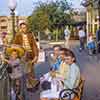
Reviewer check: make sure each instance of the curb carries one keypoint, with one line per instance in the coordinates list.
(52, 43)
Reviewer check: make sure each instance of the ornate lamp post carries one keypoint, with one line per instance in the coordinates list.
(12, 6)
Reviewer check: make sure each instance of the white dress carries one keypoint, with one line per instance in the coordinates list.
(56, 87)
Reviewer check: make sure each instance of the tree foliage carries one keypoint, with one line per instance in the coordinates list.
(50, 16)
(38, 21)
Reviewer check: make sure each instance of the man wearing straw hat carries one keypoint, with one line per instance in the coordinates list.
(27, 41)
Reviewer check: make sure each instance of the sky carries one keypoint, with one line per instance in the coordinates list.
(25, 7)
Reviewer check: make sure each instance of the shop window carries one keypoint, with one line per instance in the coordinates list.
(3, 27)
(2, 20)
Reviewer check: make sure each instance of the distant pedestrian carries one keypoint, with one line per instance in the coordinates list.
(98, 39)
(3, 41)
(81, 34)
(91, 43)
(67, 37)
(38, 43)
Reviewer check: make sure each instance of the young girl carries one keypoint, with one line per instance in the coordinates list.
(15, 69)
(73, 75)
(91, 44)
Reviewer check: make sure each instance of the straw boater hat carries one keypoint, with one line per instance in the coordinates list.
(21, 21)
(19, 49)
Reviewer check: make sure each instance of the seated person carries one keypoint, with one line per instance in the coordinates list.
(55, 76)
(73, 76)
(63, 68)
(54, 58)
(51, 86)
(1, 57)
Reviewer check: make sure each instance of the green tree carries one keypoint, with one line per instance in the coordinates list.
(38, 21)
(50, 16)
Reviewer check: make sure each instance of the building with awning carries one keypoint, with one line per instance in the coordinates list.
(92, 15)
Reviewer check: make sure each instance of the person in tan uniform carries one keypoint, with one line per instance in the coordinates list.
(26, 40)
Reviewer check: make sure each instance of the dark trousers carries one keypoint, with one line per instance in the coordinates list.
(98, 47)
(82, 42)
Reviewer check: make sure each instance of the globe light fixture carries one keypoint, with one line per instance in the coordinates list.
(12, 6)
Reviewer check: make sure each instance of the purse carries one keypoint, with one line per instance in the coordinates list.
(46, 85)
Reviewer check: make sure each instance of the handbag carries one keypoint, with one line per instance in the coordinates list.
(46, 85)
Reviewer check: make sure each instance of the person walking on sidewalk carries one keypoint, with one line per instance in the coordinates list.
(67, 36)
(81, 34)
(98, 39)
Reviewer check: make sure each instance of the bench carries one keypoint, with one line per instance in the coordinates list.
(73, 94)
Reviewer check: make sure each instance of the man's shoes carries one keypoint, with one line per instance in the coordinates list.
(80, 49)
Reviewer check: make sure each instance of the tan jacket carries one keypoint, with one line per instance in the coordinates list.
(19, 41)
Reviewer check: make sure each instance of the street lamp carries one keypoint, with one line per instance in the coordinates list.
(17, 19)
(12, 6)
(99, 11)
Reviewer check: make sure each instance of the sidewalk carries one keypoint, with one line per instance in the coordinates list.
(56, 42)
(48, 44)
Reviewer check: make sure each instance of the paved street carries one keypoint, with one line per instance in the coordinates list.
(90, 69)
(27, 23)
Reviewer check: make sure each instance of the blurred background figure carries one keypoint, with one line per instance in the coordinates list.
(91, 44)
(81, 34)
(67, 37)
(1, 57)
(98, 39)
(38, 43)
(41, 57)
(3, 41)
